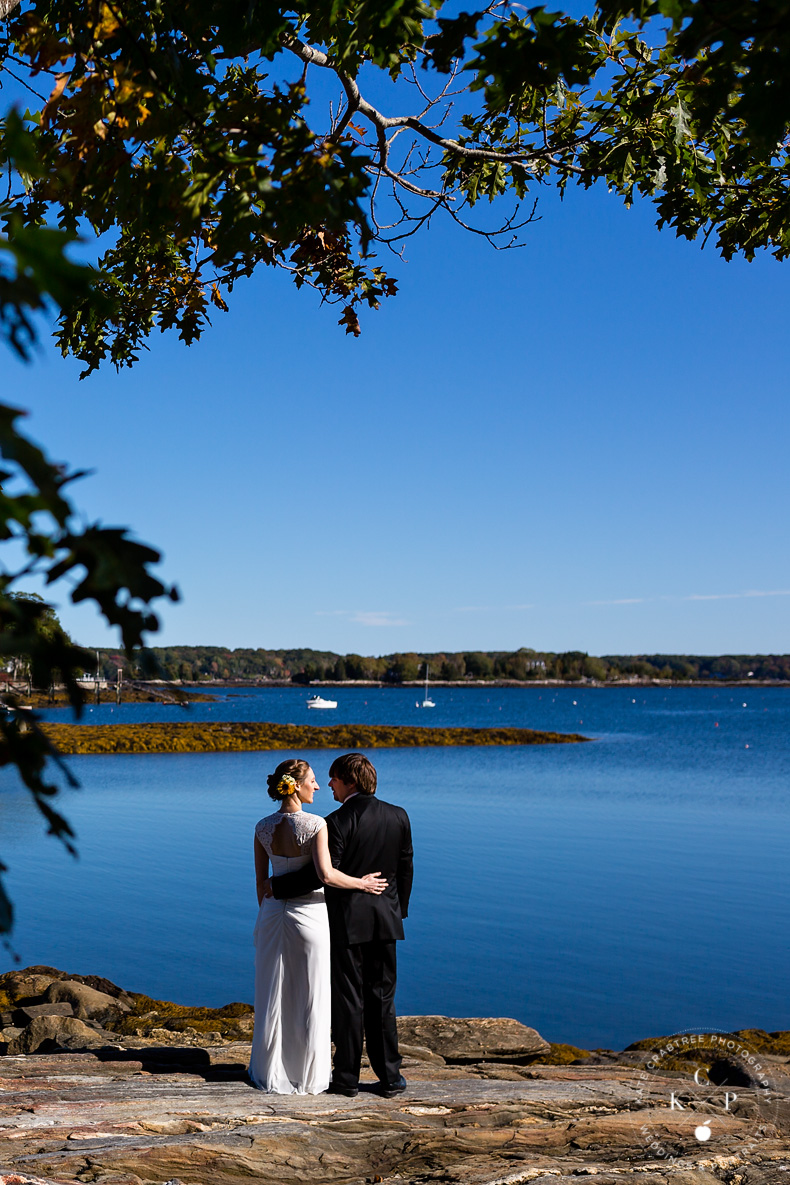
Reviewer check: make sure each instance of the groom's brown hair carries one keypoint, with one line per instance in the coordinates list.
(355, 769)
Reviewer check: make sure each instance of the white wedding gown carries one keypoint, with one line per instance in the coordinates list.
(291, 1051)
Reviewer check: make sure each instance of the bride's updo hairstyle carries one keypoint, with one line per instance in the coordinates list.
(285, 779)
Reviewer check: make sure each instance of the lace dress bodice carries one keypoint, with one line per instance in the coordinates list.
(305, 827)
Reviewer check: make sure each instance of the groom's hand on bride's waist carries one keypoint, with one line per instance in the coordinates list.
(295, 884)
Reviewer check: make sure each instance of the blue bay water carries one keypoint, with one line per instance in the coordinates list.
(601, 892)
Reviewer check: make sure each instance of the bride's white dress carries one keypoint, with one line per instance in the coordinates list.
(291, 1050)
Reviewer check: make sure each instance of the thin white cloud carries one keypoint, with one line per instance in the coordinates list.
(377, 618)
(620, 601)
(754, 592)
(490, 608)
(365, 617)
(739, 596)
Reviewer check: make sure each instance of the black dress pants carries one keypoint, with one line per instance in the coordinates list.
(363, 999)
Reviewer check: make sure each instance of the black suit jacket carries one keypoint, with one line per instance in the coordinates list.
(365, 835)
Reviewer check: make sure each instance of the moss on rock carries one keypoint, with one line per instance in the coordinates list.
(562, 1055)
(148, 1015)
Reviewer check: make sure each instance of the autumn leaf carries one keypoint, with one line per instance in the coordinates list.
(51, 105)
(351, 321)
(216, 298)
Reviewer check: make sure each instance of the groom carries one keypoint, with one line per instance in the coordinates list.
(365, 835)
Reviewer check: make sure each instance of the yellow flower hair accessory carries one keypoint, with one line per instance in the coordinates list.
(286, 786)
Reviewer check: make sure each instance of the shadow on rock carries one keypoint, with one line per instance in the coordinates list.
(174, 1059)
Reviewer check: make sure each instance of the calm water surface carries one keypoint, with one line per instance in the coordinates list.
(600, 892)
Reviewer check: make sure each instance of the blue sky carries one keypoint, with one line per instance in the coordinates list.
(577, 445)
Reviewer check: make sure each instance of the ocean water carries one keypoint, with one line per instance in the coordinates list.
(603, 892)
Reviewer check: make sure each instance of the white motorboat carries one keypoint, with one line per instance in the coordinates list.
(427, 701)
(316, 701)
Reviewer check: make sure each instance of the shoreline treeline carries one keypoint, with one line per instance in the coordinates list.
(194, 664)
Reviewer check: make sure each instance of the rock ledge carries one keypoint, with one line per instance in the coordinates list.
(129, 1098)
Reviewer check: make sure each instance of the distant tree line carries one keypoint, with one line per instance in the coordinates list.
(193, 664)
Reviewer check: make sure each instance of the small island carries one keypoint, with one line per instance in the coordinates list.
(238, 737)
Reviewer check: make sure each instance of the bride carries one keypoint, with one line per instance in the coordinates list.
(291, 1052)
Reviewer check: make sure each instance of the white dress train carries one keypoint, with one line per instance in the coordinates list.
(291, 1050)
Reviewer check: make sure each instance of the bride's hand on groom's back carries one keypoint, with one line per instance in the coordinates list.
(373, 882)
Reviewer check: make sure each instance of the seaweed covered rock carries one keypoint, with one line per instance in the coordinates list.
(250, 736)
(26, 985)
(149, 1018)
(29, 985)
(106, 1015)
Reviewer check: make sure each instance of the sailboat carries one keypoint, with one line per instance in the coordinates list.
(427, 701)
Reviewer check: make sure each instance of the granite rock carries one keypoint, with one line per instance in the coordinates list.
(8, 1034)
(170, 1104)
(29, 1012)
(421, 1053)
(87, 1002)
(115, 1119)
(23, 1179)
(473, 1039)
(48, 1033)
(29, 983)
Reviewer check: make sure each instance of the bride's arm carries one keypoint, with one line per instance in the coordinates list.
(372, 882)
(261, 870)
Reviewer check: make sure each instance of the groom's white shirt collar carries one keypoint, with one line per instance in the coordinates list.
(350, 796)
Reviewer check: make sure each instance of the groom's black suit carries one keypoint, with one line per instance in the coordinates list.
(365, 835)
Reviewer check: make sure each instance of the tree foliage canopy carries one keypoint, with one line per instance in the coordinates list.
(192, 142)
(202, 139)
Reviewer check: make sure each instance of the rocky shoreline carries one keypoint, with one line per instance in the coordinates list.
(98, 1084)
(162, 693)
(235, 737)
